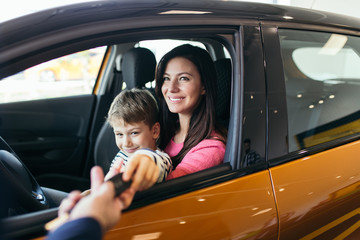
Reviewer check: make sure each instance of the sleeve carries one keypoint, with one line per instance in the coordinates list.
(120, 156)
(161, 159)
(79, 229)
(208, 153)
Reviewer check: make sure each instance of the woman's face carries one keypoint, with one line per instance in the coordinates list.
(182, 87)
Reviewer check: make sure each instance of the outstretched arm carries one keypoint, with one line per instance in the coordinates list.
(146, 167)
(89, 217)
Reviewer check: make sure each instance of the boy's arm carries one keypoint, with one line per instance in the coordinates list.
(161, 159)
(117, 165)
(120, 157)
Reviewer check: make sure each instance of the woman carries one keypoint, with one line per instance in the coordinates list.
(186, 88)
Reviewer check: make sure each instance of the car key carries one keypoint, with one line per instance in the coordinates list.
(119, 185)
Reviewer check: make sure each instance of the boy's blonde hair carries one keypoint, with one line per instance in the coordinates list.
(135, 105)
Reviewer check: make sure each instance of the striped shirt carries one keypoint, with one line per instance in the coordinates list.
(161, 159)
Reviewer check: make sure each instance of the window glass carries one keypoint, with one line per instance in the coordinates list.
(338, 64)
(161, 46)
(322, 86)
(70, 75)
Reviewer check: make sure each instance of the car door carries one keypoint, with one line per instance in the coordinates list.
(224, 202)
(314, 145)
(46, 112)
(235, 204)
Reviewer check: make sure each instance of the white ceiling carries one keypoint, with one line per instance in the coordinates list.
(347, 7)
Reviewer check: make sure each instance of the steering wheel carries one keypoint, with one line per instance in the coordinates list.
(24, 193)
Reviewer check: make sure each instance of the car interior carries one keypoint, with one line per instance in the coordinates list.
(137, 69)
(124, 65)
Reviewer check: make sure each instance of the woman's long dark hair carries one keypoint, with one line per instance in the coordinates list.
(203, 119)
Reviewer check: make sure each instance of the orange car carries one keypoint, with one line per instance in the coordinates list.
(288, 92)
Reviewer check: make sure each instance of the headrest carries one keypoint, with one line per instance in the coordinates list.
(138, 67)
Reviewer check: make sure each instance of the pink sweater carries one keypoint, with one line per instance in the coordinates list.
(208, 153)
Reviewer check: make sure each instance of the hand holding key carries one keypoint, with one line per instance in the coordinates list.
(103, 203)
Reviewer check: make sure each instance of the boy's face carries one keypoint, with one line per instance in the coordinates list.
(133, 136)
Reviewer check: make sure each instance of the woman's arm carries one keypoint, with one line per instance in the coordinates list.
(208, 153)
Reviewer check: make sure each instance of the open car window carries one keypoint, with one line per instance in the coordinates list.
(76, 74)
(159, 47)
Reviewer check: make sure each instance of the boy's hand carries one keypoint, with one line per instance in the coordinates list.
(143, 172)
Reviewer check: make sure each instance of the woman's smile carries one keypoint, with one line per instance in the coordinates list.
(175, 99)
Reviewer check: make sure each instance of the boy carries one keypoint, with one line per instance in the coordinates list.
(133, 115)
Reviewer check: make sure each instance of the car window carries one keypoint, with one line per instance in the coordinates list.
(336, 63)
(70, 75)
(161, 46)
(322, 86)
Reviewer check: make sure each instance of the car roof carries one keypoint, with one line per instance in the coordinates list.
(91, 11)
(107, 16)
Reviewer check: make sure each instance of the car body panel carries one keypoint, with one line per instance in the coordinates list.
(317, 191)
(276, 93)
(240, 208)
(254, 93)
